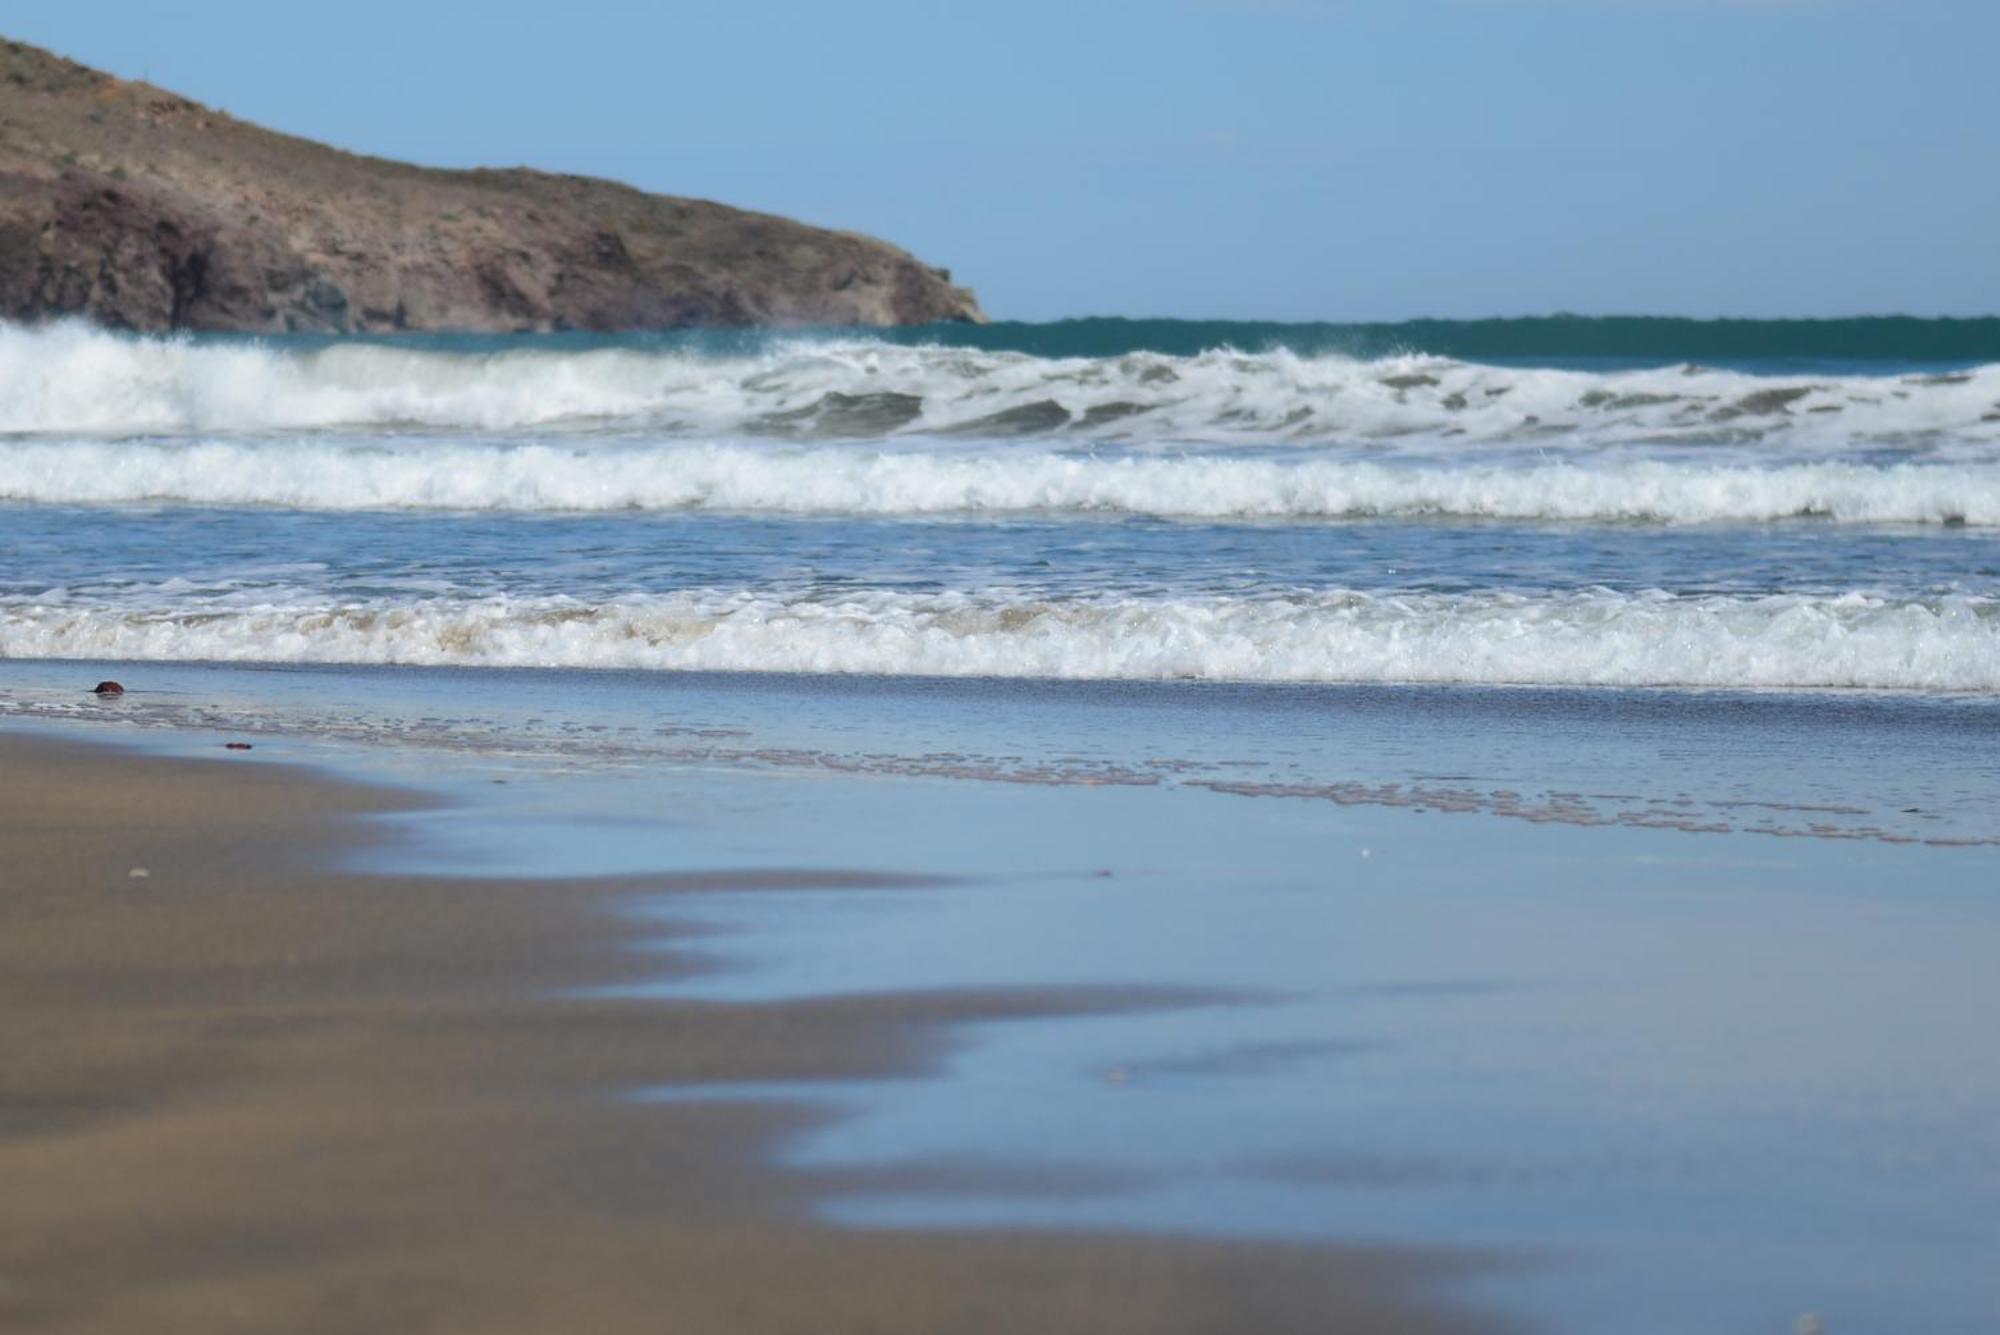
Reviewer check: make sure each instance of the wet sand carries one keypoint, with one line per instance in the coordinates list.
(246, 1092)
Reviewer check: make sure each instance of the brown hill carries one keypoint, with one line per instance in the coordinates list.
(141, 209)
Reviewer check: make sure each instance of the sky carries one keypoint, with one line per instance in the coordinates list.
(1241, 159)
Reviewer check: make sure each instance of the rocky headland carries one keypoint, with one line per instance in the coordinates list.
(140, 209)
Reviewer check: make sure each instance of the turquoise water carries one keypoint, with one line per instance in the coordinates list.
(1551, 340)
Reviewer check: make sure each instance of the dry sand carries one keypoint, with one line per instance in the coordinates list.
(245, 1092)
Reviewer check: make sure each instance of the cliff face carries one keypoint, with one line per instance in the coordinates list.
(143, 210)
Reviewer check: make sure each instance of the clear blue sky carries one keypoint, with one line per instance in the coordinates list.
(1280, 159)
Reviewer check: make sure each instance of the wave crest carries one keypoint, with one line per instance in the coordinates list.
(71, 379)
(752, 478)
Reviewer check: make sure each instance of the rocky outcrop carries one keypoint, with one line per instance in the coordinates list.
(143, 210)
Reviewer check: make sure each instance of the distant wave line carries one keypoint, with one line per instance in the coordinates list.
(1887, 341)
(1544, 338)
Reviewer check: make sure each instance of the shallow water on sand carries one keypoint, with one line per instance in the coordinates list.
(1679, 997)
(1701, 1082)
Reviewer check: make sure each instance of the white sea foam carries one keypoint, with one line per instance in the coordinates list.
(1596, 638)
(766, 478)
(71, 379)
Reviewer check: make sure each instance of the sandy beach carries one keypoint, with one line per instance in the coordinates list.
(245, 1090)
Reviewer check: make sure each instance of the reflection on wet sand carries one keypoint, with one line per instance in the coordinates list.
(244, 1093)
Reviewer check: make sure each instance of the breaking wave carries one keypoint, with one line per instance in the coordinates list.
(765, 478)
(1595, 638)
(75, 380)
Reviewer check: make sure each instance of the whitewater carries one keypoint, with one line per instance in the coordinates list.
(1600, 638)
(312, 475)
(977, 505)
(74, 380)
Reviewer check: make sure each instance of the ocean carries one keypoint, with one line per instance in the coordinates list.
(1126, 501)
(1566, 750)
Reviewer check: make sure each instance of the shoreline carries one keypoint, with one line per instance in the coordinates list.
(1589, 757)
(259, 1092)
